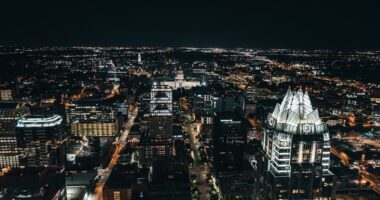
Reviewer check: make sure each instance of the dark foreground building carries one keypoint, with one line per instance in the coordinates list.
(123, 184)
(170, 180)
(295, 156)
(37, 183)
(229, 139)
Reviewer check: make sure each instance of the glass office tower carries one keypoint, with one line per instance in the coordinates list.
(295, 155)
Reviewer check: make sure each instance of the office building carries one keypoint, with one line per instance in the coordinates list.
(9, 114)
(87, 118)
(203, 108)
(152, 148)
(40, 138)
(158, 140)
(229, 103)
(170, 180)
(229, 139)
(123, 184)
(202, 104)
(161, 111)
(6, 94)
(295, 157)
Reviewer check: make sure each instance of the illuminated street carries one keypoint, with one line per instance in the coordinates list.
(198, 169)
(366, 177)
(201, 170)
(104, 173)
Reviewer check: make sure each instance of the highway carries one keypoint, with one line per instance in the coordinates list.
(105, 173)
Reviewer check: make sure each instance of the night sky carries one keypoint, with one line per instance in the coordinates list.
(201, 23)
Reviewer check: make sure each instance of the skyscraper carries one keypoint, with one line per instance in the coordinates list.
(229, 139)
(161, 111)
(295, 155)
(158, 141)
(9, 114)
(40, 138)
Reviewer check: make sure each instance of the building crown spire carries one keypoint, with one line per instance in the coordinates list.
(296, 109)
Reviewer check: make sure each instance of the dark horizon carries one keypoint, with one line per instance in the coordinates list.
(180, 47)
(224, 24)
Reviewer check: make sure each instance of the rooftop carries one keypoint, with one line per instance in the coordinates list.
(39, 121)
(122, 176)
(295, 114)
(8, 105)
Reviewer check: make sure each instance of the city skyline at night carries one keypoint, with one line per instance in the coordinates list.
(189, 100)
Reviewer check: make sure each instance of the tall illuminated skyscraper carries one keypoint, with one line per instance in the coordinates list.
(158, 142)
(161, 111)
(295, 157)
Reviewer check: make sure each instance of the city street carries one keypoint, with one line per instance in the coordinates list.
(105, 173)
(198, 169)
(366, 176)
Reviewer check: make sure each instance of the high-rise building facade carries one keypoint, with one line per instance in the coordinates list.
(161, 111)
(158, 141)
(202, 104)
(295, 155)
(40, 138)
(9, 114)
(229, 139)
